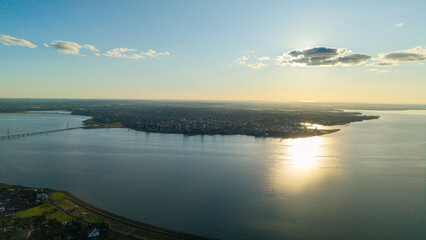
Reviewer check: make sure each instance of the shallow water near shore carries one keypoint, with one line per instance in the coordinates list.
(363, 182)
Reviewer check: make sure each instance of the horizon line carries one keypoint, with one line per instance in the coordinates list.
(215, 100)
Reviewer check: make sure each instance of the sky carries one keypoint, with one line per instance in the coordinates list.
(326, 51)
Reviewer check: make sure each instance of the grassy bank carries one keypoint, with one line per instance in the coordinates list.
(77, 208)
(64, 207)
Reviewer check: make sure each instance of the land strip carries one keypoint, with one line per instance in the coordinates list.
(199, 118)
(75, 207)
(36, 211)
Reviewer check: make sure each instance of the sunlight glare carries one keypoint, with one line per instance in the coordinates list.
(304, 151)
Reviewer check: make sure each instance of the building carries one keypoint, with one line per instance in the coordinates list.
(93, 234)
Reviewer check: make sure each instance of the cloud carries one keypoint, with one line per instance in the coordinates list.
(91, 47)
(263, 58)
(404, 57)
(416, 54)
(13, 41)
(256, 65)
(120, 53)
(248, 60)
(124, 53)
(241, 60)
(321, 56)
(399, 24)
(377, 70)
(317, 52)
(354, 59)
(66, 47)
(152, 53)
(73, 48)
(383, 64)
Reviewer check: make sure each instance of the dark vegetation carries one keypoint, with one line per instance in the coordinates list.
(45, 214)
(21, 217)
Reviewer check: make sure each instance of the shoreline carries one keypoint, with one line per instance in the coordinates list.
(91, 124)
(130, 222)
(79, 210)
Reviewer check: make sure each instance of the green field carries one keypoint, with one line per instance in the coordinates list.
(60, 216)
(49, 210)
(36, 211)
(57, 196)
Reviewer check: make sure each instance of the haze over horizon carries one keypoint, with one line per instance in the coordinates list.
(214, 50)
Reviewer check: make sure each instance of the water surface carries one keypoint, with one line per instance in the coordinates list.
(366, 181)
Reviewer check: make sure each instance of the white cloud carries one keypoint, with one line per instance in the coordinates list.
(256, 65)
(399, 24)
(241, 60)
(73, 48)
(377, 70)
(250, 60)
(91, 47)
(120, 53)
(265, 58)
(153, 53)
(66, 47)
(13, 41)
(124, 53)
(321, 56)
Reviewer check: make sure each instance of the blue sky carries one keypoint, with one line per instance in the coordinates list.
(215, 50)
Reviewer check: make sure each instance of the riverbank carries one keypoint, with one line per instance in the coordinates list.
(63, 206)
(90, 123)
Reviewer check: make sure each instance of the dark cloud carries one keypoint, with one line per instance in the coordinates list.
(316, 52)
(295, 53)
(383, 64)
(416, 54)
(354, 59)
(321, 56)
(313, 61)
(404, 57)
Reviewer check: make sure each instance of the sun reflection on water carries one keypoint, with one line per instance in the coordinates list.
(303, 152)
(297, 165)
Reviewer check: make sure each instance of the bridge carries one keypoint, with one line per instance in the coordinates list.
(20, 135)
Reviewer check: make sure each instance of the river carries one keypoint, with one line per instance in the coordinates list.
(366, 181)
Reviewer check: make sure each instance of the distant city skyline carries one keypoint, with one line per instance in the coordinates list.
(328, 51)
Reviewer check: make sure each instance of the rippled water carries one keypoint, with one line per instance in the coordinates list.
(364, 182)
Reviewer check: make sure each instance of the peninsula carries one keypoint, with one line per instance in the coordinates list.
(199, 118)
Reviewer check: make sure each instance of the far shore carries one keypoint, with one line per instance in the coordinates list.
(91, 124)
